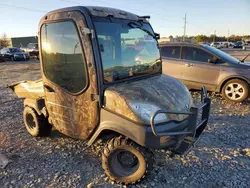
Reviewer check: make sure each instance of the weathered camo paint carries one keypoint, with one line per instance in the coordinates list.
(165, 92)
(73, 115)
(28, 89)
(105, 11)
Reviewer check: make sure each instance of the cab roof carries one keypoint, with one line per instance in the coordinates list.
(98, 11)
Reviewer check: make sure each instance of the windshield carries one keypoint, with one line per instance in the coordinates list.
(15, 50)
(33, 45)
(127, 50)
(224, 56)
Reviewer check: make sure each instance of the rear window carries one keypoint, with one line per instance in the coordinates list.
(171, 51)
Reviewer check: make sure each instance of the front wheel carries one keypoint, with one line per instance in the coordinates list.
(126, 162)
(235, 90)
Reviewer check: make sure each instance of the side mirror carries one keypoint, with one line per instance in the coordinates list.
(210, 61)
(213, 60)
(157, 36)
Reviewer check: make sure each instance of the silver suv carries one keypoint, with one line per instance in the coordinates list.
(197, 65)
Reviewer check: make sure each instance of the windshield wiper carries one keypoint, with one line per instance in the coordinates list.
(134, 25)
(245, 58)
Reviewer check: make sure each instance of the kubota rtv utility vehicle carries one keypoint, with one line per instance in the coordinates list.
(101, 72)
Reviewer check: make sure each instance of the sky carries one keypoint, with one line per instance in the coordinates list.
(21, 18)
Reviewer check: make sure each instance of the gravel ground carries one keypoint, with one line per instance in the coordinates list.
(221, 157)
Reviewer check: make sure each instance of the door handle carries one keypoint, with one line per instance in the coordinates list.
(48, 88)
(189, 65)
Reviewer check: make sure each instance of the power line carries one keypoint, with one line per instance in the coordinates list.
(29, 9)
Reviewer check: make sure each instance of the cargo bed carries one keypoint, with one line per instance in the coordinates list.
(28, 89)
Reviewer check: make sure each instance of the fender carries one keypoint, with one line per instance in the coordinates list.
(219, 87)
(37, 104)
(113, 122)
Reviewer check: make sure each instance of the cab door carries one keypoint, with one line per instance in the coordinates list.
(70, 85)
(198, 71)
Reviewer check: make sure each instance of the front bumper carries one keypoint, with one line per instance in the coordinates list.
(34, 53)
(21, 58)
(180, 137)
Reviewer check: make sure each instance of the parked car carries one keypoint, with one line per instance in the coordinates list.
(33, 50)
(1, 58)
(230, 44)
(216, 45)
(224, 44)
(238, 44)
(14, 54)
(198, 65)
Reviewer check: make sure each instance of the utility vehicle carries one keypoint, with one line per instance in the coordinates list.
(92, 84)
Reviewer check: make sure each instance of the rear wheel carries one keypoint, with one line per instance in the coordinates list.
(126, 162)
(235, 90)
(36, 125)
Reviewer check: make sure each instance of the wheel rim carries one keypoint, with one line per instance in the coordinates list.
(234, 91)
(127, 159)
(123, 163)
(30, 121)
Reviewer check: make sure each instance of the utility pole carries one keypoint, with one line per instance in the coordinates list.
(214, 35)
(185, 26)
(227, 35)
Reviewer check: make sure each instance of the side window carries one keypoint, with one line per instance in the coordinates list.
(63, 63)
(171, 51)
(195, 54)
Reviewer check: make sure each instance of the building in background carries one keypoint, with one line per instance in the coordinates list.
(22, 42)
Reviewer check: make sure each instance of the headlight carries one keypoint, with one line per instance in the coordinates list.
(146, 110)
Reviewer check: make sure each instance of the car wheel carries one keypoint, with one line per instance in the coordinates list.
(235, 90)
(126, 162)
(36, 125)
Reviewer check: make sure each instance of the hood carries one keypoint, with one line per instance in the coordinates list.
(246, 63)
(19, 53)
(138, 100)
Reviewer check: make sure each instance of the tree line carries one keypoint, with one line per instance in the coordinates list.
(4, 42)
(211, 38)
